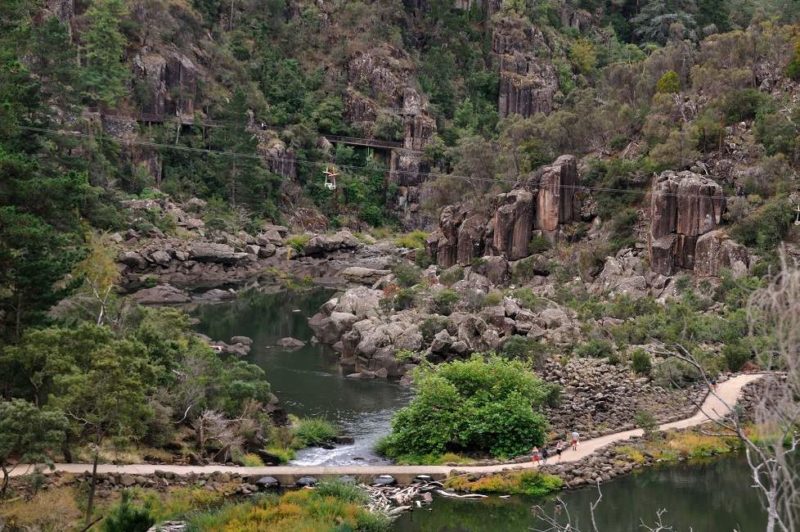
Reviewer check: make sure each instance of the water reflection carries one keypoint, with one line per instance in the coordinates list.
(703, 497)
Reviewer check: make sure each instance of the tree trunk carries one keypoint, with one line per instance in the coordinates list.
(92, 486)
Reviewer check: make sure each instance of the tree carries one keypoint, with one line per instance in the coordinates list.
(657, 19)
(53, 60)
(478, 405)
(99, 272)
(33, 258)
(27, 434)
(239, 174)
(105, 74)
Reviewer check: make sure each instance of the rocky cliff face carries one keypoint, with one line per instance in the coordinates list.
(544, 202)
(169, 81)
(684, 207)
(528, 80)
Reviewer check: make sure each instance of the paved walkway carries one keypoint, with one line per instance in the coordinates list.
(713, 408)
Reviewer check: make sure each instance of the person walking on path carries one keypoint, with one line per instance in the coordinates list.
(559, 449)
(545, 455)
(535, 456)
(575, 437)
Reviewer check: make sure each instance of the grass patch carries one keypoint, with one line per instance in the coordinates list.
(532, 483)
(298, 242)
(413, 240)
(314, 431)
(283, 454)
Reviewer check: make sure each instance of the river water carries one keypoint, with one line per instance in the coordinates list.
(308, 380)
(708, 497)
(711, 497)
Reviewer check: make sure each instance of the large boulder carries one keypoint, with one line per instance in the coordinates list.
(362, 302)
(684, 206)
(513, 224)
(556, 201)
(715, 251)
(161, 295)
(360, 275)
(218, 253)
(321, 244)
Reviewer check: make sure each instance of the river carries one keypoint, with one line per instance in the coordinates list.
(711, 497)
(308, 380)
(707, 497)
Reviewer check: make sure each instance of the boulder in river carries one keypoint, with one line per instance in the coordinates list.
(161, 295)
(290, 343)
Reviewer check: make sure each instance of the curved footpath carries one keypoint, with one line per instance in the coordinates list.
(713, 408)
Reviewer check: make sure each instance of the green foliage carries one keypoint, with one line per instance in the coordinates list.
(432, 325)
(743, 104)
(528, 299)
(736, 355)
(530, 483)
(444, 300)
(413, 240)
(127, 517)
(28, 434)
(315, 431)
(105, 74)
(478, 405)
(524, 348)
(778, 132)
(793, 68)
(538, 244)
(647, 422)
(673, 372)
(595, 348)
(642, 364)
(766, 227)
(407, 274)
(583, 55)
(345, 491)
(669, 83)
(298, 242)
(451, 275)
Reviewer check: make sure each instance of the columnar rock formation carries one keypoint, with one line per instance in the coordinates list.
(528, 80)
(544, 202)
(684, 206)
(170, 82)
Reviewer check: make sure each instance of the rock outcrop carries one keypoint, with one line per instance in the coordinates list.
(684, 207)
(544, 202)
(171, 84)
(528, 80)
(715, 251)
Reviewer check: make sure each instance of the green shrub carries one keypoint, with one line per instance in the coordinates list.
(315, 431)
(451, 275)
(524, 348)
(126, 517)
(793, 68)
(530, 483)
(413, 240)
(298, 242)
(478, 405)
(595, 348)
(407, 274)
(444, 300)
(538, 244)
(642, 364)
(344, 491)
(743, 105)
(283, 454)
(765, 228)
(432, 325)
(647, 422)
(404, 299)
(527, 299)
(736, 355)
(675, 373)
(669, 83)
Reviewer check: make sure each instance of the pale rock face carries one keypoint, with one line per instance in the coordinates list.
(684, 206)
(715, 251)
